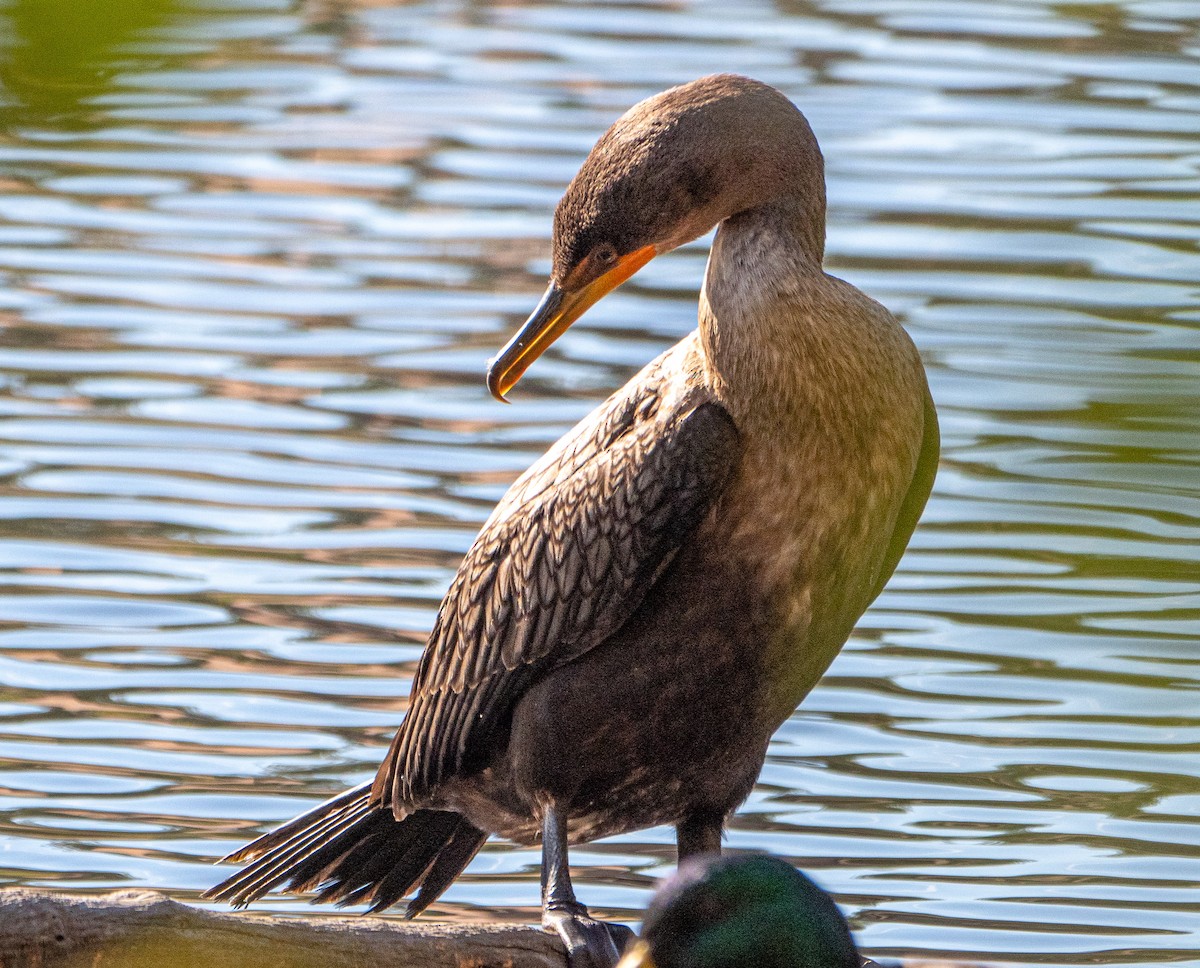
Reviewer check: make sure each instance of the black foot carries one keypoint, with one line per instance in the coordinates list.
(590, 943)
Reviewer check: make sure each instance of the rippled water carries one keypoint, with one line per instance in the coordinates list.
(254, 254)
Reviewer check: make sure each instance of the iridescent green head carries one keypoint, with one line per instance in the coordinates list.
(736, 912)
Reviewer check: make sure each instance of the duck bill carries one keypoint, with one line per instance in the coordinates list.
(558, 309)
(637, 957)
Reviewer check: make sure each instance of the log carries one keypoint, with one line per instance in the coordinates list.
(145, 929)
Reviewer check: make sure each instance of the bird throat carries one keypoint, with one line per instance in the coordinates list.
(764, 268)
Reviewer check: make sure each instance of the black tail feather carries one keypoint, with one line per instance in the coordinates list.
(462, 846)
(298, 839)
(410, 868)
(396, 866)
(349, 801)
(350, 850)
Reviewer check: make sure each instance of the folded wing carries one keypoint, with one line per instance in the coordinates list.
(562, 563)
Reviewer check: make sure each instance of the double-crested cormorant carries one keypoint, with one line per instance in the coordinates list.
(654, 596)
(750, 911)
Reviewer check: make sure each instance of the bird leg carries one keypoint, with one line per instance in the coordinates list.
(698, 833)
(590, 943)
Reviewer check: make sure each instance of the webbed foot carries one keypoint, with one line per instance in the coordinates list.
(590, 943)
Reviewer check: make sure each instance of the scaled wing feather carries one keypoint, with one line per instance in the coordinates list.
(562, 563)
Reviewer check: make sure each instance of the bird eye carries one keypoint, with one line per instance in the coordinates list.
(605, 254)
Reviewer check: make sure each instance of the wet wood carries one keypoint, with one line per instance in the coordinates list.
(144, 929)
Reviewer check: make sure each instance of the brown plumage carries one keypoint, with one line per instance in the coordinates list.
(655, 595)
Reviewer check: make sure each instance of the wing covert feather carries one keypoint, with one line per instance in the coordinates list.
(564, 560)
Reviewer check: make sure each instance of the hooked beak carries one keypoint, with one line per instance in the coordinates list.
(552, 317)
(637, 956)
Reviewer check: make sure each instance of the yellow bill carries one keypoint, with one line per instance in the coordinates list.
(637, 957)
(552, 317)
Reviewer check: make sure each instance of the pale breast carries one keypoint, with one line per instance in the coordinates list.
(831, 434)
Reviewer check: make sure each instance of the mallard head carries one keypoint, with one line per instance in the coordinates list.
(741, 911)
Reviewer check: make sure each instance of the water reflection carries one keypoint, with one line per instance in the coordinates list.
(59, 57)
(249, 285)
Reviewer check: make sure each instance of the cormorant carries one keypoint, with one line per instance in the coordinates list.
(656, 594)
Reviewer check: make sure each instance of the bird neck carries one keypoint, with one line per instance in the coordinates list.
(763, 271)
(795, 220)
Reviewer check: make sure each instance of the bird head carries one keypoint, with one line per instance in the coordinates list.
(734, 911)
(669, 169)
